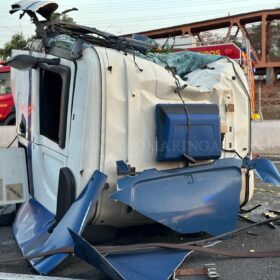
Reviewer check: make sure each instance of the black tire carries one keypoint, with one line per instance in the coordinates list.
(11, 120)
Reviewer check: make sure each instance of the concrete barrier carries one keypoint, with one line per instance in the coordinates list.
(7, 134)
(266, 137)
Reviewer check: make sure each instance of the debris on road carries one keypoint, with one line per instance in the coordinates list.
(178, 125)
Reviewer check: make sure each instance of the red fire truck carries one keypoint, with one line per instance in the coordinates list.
(7, 106)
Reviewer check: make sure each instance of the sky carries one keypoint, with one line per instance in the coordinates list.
(132, 16)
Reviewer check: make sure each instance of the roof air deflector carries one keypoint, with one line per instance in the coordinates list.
(44, 8)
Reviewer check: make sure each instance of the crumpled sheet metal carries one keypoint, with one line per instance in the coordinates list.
(183, 62)
(156, 264)
(203, 198)
(33, 222)
(265, 169)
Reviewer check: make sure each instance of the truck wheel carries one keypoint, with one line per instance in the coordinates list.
(11, 120)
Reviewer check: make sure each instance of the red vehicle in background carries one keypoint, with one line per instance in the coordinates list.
(7, 106)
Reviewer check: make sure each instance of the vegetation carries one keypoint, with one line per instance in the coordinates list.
(62, 18)
(254, 31)
(18, 41)
(274, 44)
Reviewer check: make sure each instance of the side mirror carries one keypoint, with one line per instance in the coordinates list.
(25, 62)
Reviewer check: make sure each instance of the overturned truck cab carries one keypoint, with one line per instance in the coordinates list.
(85, 107)
(78, 116)
(170, 131)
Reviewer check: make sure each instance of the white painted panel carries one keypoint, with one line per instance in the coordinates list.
(13, 176)
(7, 134)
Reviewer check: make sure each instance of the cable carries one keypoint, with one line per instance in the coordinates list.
(172, 12)
(163, 4)
(249, 103)
(203, 242)
(178, 90)
(237, 75)
(12, 142)
(232, 151)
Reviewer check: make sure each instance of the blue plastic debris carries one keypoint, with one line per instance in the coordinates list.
(156, 264)
(122, 167)
(265, 170)
(203, 198)
(33, 222)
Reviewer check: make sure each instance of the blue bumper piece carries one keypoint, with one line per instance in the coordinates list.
(33, 222)
(265, 170)
(202, 198)
(157, 264)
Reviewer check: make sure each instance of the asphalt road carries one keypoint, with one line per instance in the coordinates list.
(262, 238)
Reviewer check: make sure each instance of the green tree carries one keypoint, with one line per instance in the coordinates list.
(274, 46)
(254, 32)
(274, 43)
(17, 42)
(62, 18)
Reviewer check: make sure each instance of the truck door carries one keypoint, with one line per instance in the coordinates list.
(48, 121)
(51, 118)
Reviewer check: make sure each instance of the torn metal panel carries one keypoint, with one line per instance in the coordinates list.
(156, 264)
(265, 170)
(188, 200)
(33, 225)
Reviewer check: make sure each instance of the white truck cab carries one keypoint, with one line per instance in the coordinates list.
(80, 115)
(113, 134)
(83, 105)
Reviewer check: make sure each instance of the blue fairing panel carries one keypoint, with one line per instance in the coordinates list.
(191, 129)
(157, 264)
(188, 200)
(265, 170)
(33, 221)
